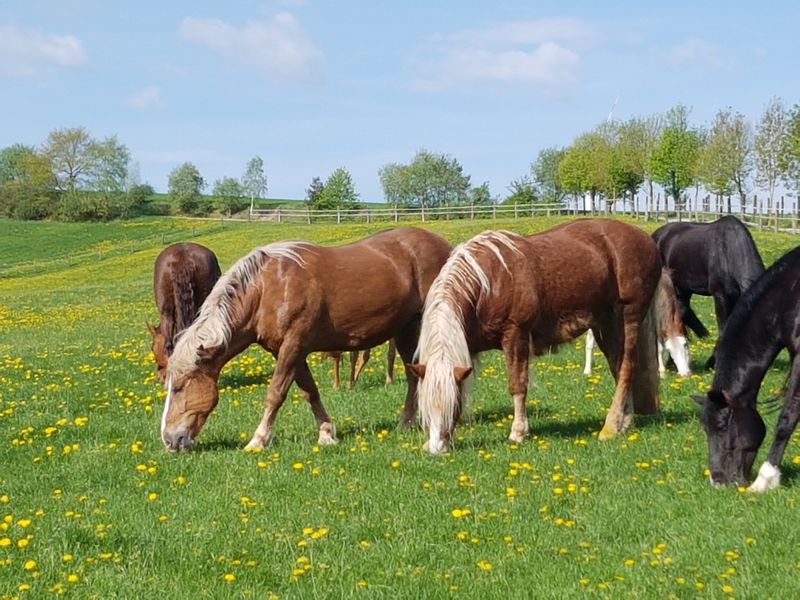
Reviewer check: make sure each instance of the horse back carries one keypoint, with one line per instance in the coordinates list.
(180, 270)
(353, 296)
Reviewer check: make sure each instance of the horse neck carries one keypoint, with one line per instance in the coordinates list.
(745, 352)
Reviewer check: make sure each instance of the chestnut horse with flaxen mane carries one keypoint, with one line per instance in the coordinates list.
(293, 298)
(182, 278)
(526, 295)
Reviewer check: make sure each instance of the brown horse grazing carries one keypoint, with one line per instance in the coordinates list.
(294, 298)
(526, 295)
(183, 276)
(358, 361)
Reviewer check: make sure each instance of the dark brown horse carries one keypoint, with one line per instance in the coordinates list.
(293, 298)
(526, 295)
(358, 361)
(183, 276)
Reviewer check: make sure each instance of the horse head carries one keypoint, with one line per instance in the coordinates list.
(161, 349)
(191, 397)
(441, 396)
(735, 431)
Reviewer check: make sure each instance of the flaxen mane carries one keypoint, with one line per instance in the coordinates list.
(213, 325)
(442, 341)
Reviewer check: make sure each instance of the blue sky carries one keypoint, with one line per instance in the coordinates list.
(311, 86)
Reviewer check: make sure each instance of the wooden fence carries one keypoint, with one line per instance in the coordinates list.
(782, 214)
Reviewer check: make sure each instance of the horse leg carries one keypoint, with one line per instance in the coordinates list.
(690, 319)
(618, 342)
(353, 366)
(406, 343)
(336, 358)
(310, 391)
(282, 378)
(660, 352)
(516, 347)
(723, 304)
(587, 364)
(769, 475)
(361, 360)
(391, 353)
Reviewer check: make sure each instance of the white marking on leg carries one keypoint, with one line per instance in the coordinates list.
(769, 477)
(661, 368)
(587, 368)
(435, 444)
(166, 409)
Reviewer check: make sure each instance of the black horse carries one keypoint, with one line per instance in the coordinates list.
(718, 259)
(765, 320)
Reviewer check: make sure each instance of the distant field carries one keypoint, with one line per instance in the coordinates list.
(92, 506)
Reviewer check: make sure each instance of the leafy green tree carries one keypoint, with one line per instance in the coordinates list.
(430, 180)
(11, 162)
(254, 181)
(790, 151)
(725, 160)
(109, 174)
(521, 191)
(674, 160)
(314, 191)
(480, 195)
(72, 155)
(585, 165)
(545, 176)
(768, 145)
(228, 195)
(338, 192)
(185, 187)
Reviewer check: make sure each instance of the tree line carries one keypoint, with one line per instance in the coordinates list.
(73, 176)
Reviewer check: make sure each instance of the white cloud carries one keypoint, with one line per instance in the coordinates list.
(27, 53)
(538, 53)
(147, 98)
(696, 53)
(278, 47)
(539, 31)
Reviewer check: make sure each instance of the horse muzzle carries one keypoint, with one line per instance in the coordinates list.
(176, 441)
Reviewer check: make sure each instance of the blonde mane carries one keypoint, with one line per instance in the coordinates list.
(442, 342)
(213, 326)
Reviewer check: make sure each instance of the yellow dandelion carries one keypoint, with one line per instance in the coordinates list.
(229, 577)
(29, 565)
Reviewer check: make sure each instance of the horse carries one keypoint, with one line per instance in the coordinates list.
(294, 298)
(527, 295)
(358, 361)
(718, 259)
(764, 321)
(671, 331)
(182, 278)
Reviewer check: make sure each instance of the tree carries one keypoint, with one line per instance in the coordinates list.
(521, 191)
(769, 140)
(254, 181)
(429, 180)
(11, 162)
(674, 160)
(185, 186)
(314, 191)
(338, 192)
(585, 165)
(724, 161)
(790, 150)
(545, 175)
(480, 195)
(110, 162)
(228, 195)
(72, 156)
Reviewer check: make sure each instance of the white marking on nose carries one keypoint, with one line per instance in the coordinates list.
(166, 409)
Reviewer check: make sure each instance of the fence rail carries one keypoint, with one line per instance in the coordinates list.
(777, 215)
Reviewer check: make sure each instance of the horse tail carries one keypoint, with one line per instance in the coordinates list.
(668, 316)
(185, 309)
(645, 382)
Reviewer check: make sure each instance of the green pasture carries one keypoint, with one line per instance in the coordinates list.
(91, 506)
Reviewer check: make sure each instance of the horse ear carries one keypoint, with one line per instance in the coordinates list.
(701, 400)
(717, 397)
(461, 373)
(418, 370)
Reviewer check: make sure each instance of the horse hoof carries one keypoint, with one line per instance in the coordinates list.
(327, 435)
(769, 478)
(606, 433)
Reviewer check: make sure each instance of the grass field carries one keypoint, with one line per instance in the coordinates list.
(91, 506)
